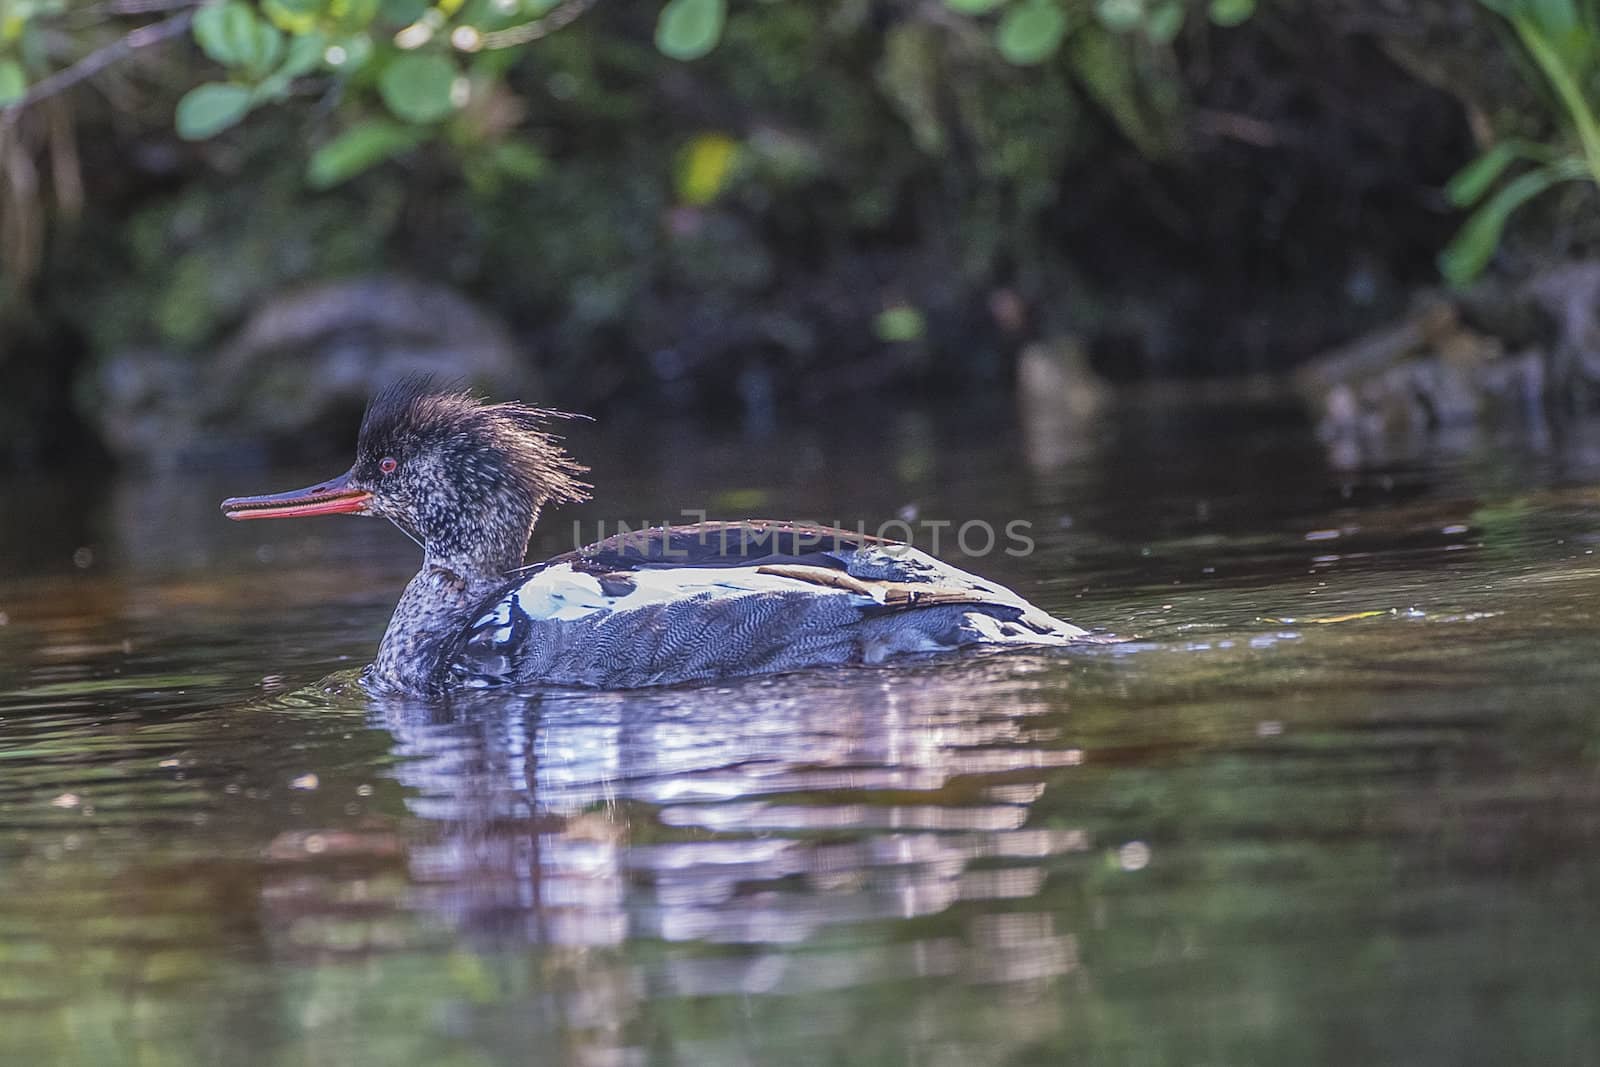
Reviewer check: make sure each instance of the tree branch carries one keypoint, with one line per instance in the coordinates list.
(542, 27)
(99, 60)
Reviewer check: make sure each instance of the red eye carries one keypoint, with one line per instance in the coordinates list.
(387, 464)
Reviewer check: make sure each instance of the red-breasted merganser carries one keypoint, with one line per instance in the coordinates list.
(467, 481)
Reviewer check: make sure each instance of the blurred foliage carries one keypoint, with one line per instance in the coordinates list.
(1562, 39)
(704, 201)
(427, 63)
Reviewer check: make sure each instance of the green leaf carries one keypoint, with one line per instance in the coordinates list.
(1567, 81)
(1556, 18)
(1165, 22)
(973, 7)
(1101, 62)
(899, 323)
(217, 30)
(1231, 12)
(207, 110)
(360, 148)
(704, 167)
(1120, 16)
(910, 75)
(1473, 180)
(305, 55)
(349, 54)
(267, 49)
(352, 16)
(231, 34)
(417, 87)
(13, 81)
(1469, 252)
(403, 12)
(292, 16)
(519, 161)
(688, 29)
(488, 171)
(1031, 31)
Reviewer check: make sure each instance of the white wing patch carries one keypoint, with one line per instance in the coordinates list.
(562, 594)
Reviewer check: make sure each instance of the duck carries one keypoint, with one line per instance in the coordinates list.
(468, 479)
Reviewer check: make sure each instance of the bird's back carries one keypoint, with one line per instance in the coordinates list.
(715, 600)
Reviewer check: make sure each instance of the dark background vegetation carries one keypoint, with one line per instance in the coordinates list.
(839, 202)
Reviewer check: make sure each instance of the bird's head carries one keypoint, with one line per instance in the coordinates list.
(466, 479)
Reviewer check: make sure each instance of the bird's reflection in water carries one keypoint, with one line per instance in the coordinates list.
(762, 813)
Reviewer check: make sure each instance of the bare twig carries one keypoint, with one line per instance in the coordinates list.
(66, 172)
(99, 60)
(1252, 131)
(129, 7)
(144, 7)
(963, 28)
(21, 217)
(563, 15)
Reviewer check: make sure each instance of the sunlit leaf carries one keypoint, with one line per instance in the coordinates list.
(688, 29)
(360, 148)
(354, 15)
(1231, 12)
(705, 166)
(417, 87)
(232, 35)
(1120, 16)
(207, 110)
(1031, 32)
(221, 30)
(13, 81)
(973, 7)
(899, 323)
(292, 16)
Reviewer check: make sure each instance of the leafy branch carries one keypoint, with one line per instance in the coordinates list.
(11, 75)
(408, 71)
(1564, 44)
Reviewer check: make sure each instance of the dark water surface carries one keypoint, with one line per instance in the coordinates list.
(1338, 803)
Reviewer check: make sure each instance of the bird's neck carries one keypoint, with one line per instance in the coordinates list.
(489, 539)
(437, 605)
(463, 565)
